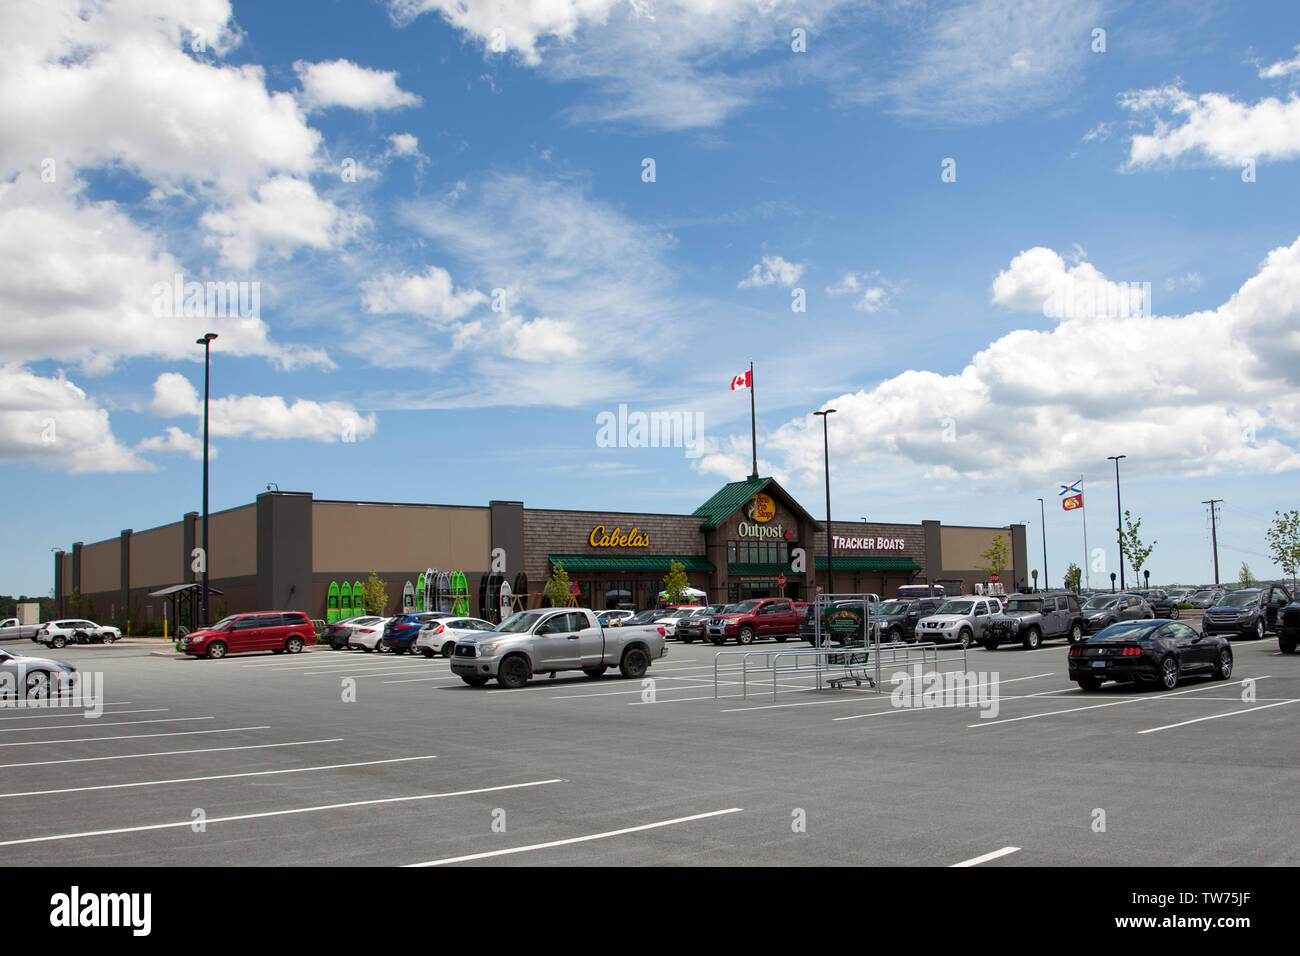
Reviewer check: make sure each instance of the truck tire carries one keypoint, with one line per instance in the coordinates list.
(1033, 639)
(1286, 645)
(216, 650)
(1076, 633)
(514, 672)
(964, 638)
(1089, 685)
(989, 645)
(745, 636)
(594, 671)
(474, 681)
(895, 636)
(635, 663)
(782, 638)
(687, 639)
(718, 641)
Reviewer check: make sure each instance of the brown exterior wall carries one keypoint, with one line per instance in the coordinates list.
(232, 543)
(158, 557)
(99, 567)
(393, 539)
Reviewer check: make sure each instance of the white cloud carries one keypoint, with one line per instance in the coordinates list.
(261, 416)
(1099, 133)
(177, 440)
(430, 295)
(1190, 280)
(872, 292)
(1037, 280)
(1207, 392)
(77, 284)
(344, 83)
(540, 340)
(1212, 126)
(1281, 68)
(51, 422)
(773, 270)
(404, 144)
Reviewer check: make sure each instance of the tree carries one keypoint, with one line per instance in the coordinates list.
(74, 602)
(1072, 575)
(1134, 550)
(1284, 541)
(1247, 579)
(557, 588)
(374, 594)
(995, 557)
(676, 582)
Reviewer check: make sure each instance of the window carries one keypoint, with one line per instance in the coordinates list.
(245, 624)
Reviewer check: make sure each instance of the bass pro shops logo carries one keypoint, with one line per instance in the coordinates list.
(761, 508)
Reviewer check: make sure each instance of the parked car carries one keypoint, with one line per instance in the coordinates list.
(1102, 610)
(1288, 628)
(1030, 619)
(58, 634)
(366, 637)
(898, 618)
(908, 591)
(12, 630)
(280, 632)
(549, 640)
(440, 636)
(614, 616)
(338, 634)
(1180, 595)
(694, 627)
(1162, 603)
(777, 618)
(30, 678)
(1204, 598)
(958, 619)
(1155, 651)
(1249, 612)
(401, 630)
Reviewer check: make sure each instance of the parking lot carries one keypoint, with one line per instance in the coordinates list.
(268, 759)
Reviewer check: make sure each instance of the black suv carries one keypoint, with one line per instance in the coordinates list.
(1029, 619)
(1161, 603)
(1288, 628)
(693, 628)
(898, 617)
(1250, 612)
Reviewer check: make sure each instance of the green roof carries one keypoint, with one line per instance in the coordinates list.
(869, 564)
(724, 504)
(770, 569)
(630, 562)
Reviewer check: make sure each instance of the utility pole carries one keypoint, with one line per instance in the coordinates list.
(1214, 533)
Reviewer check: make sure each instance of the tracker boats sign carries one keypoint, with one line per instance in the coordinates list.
(868, 544)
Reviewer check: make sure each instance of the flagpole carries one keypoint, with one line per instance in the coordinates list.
(1083, 507)
(753, 420)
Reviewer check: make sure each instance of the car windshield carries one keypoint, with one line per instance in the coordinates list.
(645, 617)
(893, 607)
(225, 621)
(1099, 603)
(1032, 606)
(518, 623)
(955, 607)
(1239, 599)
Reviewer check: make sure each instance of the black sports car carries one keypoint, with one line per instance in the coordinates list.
(1161, 652)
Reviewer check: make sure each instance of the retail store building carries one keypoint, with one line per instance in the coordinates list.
(751, 539)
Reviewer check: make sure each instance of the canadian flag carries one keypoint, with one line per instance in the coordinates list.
(742, 381)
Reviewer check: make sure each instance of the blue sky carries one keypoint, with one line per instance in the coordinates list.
(447, 324)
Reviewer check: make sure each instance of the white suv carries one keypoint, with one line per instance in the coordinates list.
(60, 633)
(960, 619)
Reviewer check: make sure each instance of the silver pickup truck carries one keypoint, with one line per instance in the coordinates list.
(552, 639)
(11, 630)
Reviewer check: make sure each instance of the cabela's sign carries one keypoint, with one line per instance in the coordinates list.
(747, 530)
(617, 538)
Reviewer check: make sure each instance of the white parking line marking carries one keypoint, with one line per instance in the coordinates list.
(274, 813)
(1231, 713)
(669, 690)
(97, 723)
(422, 680)
(95, 740)
(40, 705)
(174, 753)
(1113, 703)
(572, 840)
(976, 861)
(68, 710)
(220, 776)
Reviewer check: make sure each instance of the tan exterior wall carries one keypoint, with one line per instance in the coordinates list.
(232, 542)
(99, 567)
(393, 539)
(156, 558)
(961, 547)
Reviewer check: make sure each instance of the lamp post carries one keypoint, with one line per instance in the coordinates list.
(826, 448)
(206, 342)
(1119, 520)
(1042, 514)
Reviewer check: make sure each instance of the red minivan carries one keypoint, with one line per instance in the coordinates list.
(275, 631)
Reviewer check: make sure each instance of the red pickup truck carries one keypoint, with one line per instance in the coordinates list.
(777, 618)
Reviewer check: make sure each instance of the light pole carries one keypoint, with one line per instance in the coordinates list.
(1119, 520)
(206, 342)
(826, 447)
(1042, 513)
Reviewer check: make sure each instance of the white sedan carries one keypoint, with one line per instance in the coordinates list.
(440, 637)
(367, 636)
